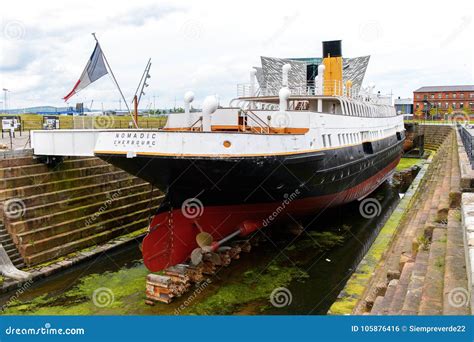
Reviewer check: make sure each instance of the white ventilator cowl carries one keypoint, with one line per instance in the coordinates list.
(209, 106)
(284, 95)
(188, 97)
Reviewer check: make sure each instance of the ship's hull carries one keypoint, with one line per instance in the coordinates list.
(217, 195)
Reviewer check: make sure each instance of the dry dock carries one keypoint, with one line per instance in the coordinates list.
(418, 265)
(55, 216)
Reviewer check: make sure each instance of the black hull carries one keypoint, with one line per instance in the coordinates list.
(249, 180)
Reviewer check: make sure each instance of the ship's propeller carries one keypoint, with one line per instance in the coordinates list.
(197, 256)
(208, 246)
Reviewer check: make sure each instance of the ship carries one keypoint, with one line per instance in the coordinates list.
(302, 136)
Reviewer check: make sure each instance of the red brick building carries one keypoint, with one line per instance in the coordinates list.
(443, 97)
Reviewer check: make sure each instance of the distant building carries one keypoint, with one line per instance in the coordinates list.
(442, 98)
(404, 106)
(46, 110)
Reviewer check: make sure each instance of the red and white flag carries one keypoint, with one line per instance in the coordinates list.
(94, 70)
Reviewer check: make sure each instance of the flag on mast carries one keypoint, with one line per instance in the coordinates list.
(94, 70)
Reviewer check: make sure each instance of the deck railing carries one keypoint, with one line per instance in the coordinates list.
(259, 125)
(333, 87)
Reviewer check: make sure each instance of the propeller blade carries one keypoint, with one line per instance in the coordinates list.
(215, 258)
(204, 239)
(196, 256)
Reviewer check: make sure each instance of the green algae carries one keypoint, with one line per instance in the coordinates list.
(323, 240)
(406, 163)
(252, 286)
(79, 300)
(423, 243)
(226, 295)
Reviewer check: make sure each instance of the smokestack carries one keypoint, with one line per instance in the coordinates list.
(332, 48)
(332, 60)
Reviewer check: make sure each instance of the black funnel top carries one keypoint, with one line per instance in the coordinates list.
(332, 48)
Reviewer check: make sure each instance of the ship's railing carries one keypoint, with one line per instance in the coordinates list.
(248, 115)
(245, 90)
(197, 125)
(330, 88)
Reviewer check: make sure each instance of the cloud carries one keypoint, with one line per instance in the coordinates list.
(139, 16)
(209, 46)
(14, 57)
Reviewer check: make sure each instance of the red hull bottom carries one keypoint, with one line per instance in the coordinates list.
(172, 235)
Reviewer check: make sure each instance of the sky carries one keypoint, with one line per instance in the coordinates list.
(210, 46)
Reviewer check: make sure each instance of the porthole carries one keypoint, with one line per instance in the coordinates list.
(227, 144)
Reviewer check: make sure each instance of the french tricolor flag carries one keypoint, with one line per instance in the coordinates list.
(94, 70)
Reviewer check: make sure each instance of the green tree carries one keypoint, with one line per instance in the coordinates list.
(450, 110)
(467, 109)
(419, 113)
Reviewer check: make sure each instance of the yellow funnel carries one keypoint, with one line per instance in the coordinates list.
(332, 60)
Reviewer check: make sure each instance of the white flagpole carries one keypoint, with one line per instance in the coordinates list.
(115, 81)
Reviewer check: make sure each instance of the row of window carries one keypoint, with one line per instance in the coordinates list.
(355, 138)
(445, 96)
(364, 110)
(446, 105)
